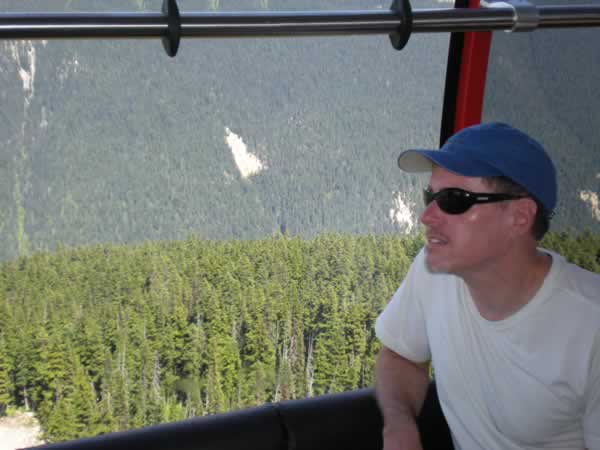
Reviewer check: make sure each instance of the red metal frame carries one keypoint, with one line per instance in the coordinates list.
(473, 69)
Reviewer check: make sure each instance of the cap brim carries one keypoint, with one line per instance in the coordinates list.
(417, 160)
(424, 160)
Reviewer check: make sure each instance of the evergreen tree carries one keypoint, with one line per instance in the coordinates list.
(24, 360)
(6, 386)
(215, 400)
(330, 362)
(90, 346)
(257, 351)
(61, 424)
(106, 422)
(83, 400)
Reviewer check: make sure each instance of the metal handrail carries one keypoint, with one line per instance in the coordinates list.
(254, 24)
(267, 23)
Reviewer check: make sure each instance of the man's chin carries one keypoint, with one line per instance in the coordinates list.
(435, 268)
(435, 264)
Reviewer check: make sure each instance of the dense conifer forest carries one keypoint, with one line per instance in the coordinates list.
(111, 337)
(112, 141)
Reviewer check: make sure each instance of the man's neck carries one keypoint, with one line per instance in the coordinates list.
(502, 290)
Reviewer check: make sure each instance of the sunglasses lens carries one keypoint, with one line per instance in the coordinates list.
(449, 201)
(453, 202)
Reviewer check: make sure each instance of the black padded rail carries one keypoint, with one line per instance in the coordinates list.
(258, 428)
(350, 420)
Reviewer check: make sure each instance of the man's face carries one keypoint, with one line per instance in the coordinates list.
(463, 243)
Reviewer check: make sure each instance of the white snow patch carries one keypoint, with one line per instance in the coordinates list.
(401, 213)
(18, 431)
(27, 70)
(247, 163)
(591, 198)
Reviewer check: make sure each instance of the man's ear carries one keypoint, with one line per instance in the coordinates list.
(524, 212)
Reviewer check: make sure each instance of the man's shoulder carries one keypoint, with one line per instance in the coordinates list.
(581, 285)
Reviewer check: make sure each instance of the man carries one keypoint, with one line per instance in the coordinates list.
(512, 330)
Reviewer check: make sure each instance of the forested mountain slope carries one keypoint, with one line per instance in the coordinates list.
(112, 141)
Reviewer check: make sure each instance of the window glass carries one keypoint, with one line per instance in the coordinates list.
(166, 224)
(546, 83)
(114, 141)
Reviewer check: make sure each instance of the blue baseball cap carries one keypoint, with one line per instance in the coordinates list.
(490, 150)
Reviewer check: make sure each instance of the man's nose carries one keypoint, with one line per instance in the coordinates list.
(432, 214)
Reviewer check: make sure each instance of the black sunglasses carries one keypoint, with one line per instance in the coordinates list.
(458, 201)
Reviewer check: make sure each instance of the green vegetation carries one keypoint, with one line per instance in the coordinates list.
(110, 337)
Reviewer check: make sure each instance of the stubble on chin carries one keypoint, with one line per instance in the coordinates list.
(432, 265)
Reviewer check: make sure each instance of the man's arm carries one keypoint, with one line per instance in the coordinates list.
(401, 386)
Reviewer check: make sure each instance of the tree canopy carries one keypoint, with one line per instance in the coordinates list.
(111, 337)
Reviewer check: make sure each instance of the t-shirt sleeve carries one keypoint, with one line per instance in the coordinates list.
(401, 326)
(591, 420)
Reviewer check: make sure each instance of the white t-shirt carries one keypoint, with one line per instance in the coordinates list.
(531, 381)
